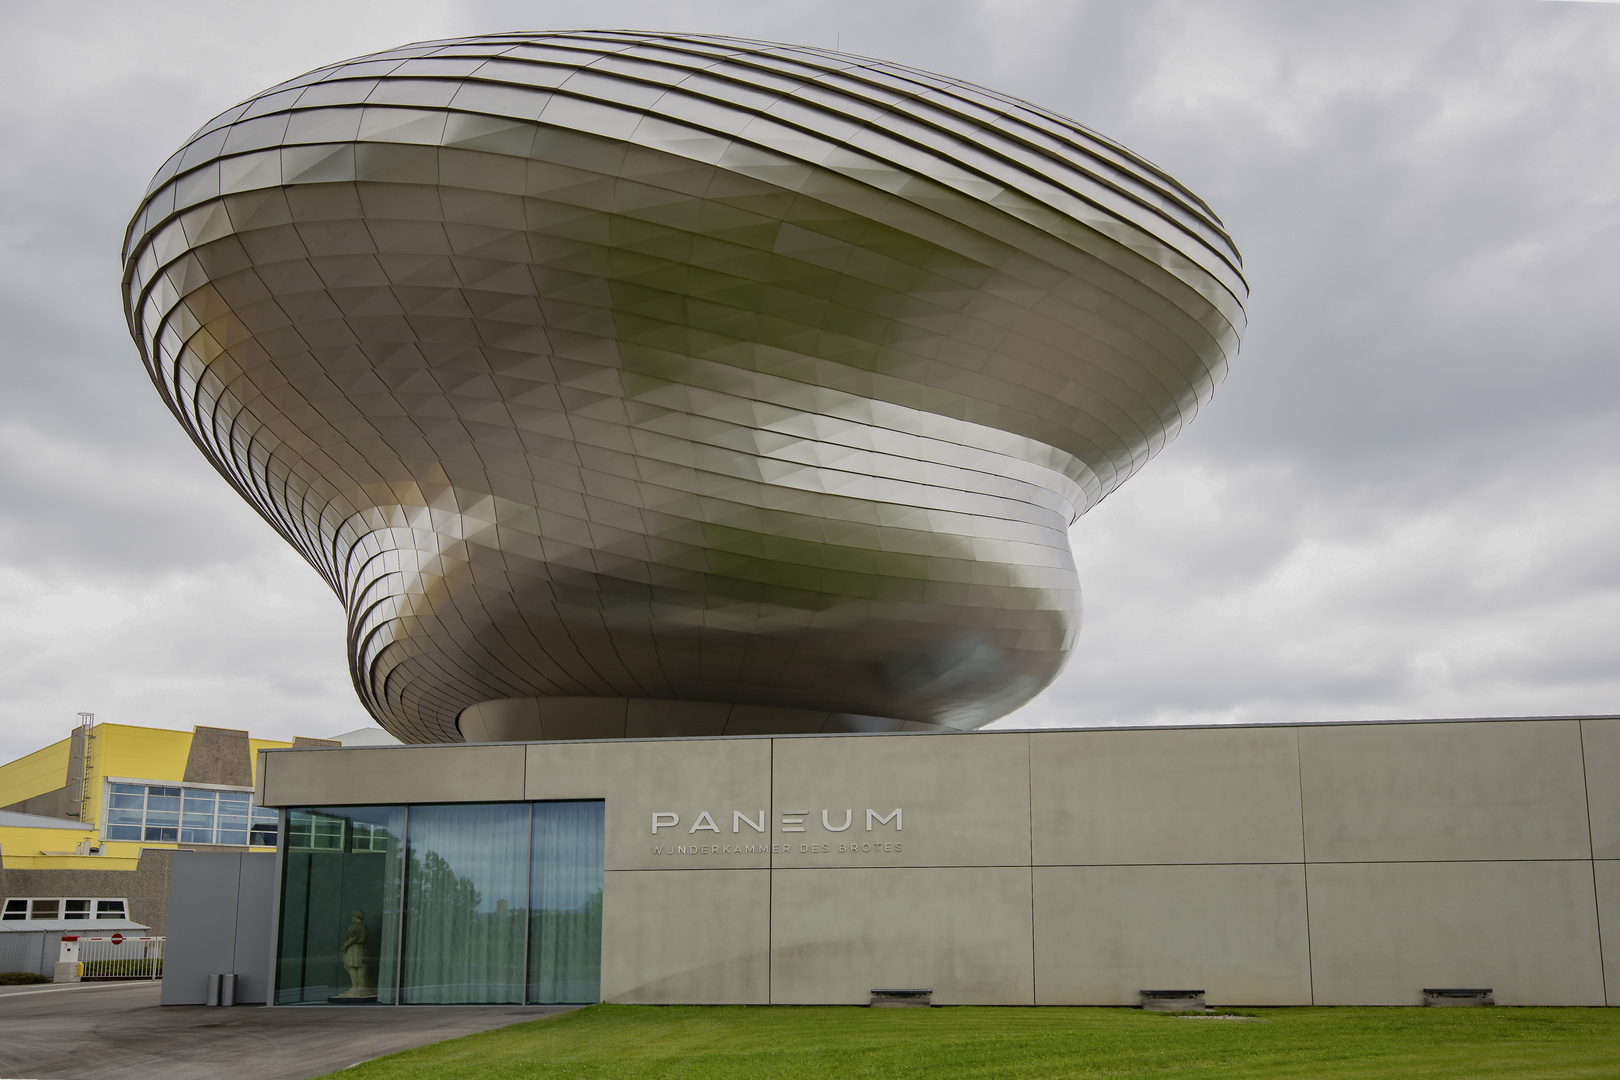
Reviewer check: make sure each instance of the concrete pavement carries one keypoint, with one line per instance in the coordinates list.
(118, 1031)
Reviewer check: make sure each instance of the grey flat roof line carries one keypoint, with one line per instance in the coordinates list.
(11, 819)
(976, 731)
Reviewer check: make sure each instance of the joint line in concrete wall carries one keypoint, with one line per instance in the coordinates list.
(1029, 798)
(1305, 868)
(1591, 849)
(770, 887)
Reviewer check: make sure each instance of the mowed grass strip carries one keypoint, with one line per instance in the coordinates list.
(821, 1042)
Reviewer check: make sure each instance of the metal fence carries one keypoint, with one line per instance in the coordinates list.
(29, 950)
(114, 956)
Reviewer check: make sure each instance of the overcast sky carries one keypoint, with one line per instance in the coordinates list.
(1403, 502)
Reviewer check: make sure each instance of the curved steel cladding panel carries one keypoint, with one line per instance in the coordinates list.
(652, 366)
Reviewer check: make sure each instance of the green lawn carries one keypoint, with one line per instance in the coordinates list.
(817, 1043)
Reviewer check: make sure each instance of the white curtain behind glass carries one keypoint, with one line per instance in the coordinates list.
(565, 937)
(466, 904)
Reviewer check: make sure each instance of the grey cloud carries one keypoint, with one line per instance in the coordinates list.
(1395, 506)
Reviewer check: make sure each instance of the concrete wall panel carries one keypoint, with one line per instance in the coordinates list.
(1105, 933)
(686, 937)
(1607, 874)
(1190, 796)
(687, 779)
(1381, 933)
(1442, 854)
(1600, 741)
(964, 800)
(393, 774)
(1426, 792)
(963, 932)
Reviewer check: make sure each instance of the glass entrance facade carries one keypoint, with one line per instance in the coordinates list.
(470, 903)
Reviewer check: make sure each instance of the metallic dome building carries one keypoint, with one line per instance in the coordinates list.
(653, 384)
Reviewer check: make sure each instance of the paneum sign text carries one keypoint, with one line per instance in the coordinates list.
(885, 828)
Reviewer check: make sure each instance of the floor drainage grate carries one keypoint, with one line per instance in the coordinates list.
(902, 999)
(1173, 1000)
(1454, 997)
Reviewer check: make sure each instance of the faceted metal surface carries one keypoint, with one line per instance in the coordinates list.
(650, 366)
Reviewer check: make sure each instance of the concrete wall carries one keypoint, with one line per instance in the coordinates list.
(1350, 864)
(219, 756)
(62, 802)
(146, 888)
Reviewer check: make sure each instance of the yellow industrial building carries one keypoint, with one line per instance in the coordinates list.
(87, 824)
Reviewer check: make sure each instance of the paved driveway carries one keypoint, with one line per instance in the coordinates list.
(118, 1031)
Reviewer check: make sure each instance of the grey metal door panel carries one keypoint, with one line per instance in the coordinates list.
(255, 901)
(203, 890)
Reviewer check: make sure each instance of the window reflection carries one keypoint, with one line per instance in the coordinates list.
(164, 813)
(493, 903)
(340, 905)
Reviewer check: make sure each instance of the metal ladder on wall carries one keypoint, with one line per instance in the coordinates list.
(87, 724)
